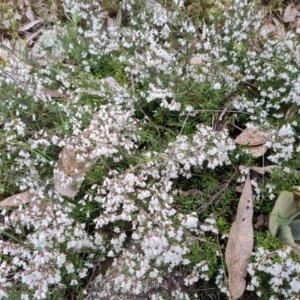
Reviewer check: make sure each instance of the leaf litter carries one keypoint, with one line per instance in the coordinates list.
(240, 243)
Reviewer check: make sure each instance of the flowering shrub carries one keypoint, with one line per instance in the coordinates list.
(142, 146)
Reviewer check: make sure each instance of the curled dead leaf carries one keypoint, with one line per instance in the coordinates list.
(258, 151)
(290, 112)
(261, 222)
(35, 206)
(3, 57)
(15, 200)
(250, 137)
(279, 33)
(239, 188)
(55, 94)
(290, 14)
(29, 14)
(112, 83)
(193, 192)
(29, 25)
(240, 243)
(71, 171)
(42, 62)
(263, 170)
(196, 60)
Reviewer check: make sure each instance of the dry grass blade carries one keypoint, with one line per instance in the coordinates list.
(240, 243)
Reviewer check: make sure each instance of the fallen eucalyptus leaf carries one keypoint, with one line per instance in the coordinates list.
(29, 14)
(193, 192)
(290, 14)
(3, 57)
(240, 243)
(55, 94)
(196, 60)
(263, 170)
(290, 112)
(239, 188)
(279, 32)
(29, 25)
(250, 137)
(71, 171)
(258, 151)
(15, 200)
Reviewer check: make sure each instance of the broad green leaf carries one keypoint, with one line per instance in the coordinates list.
(285, 208)
(295, 228)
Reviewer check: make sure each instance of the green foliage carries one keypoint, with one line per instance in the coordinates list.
(208, 191)
(283, 222)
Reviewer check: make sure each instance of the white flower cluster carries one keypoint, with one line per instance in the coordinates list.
(137, 186)
(284, 273)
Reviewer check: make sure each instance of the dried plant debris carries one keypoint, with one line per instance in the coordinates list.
(16, 200)
(72, 167)
(263, 170)
(290, 14)
(262, 221)
(255, 140)
(250, 137)
(258, 151)
(240, 243)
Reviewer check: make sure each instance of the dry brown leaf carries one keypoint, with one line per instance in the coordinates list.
(71, 173)
(279, 33)
(262, 221)
(193, 192)
(42, 62)
(29, 25)
(3, 57)
(221, 124)
(55, 94)
(239, 188)
(15, 200)
(270, 28)
(290, 14)
(263, 170)
(6, 23)
(258, 151)
(31, 36)
(250, 137)
(196, 60)
(17, 16)
(290, 112)
(240, 243)
(112, 83)
(21, 4)
(110, 27)
(31, 209)
(29, 14)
